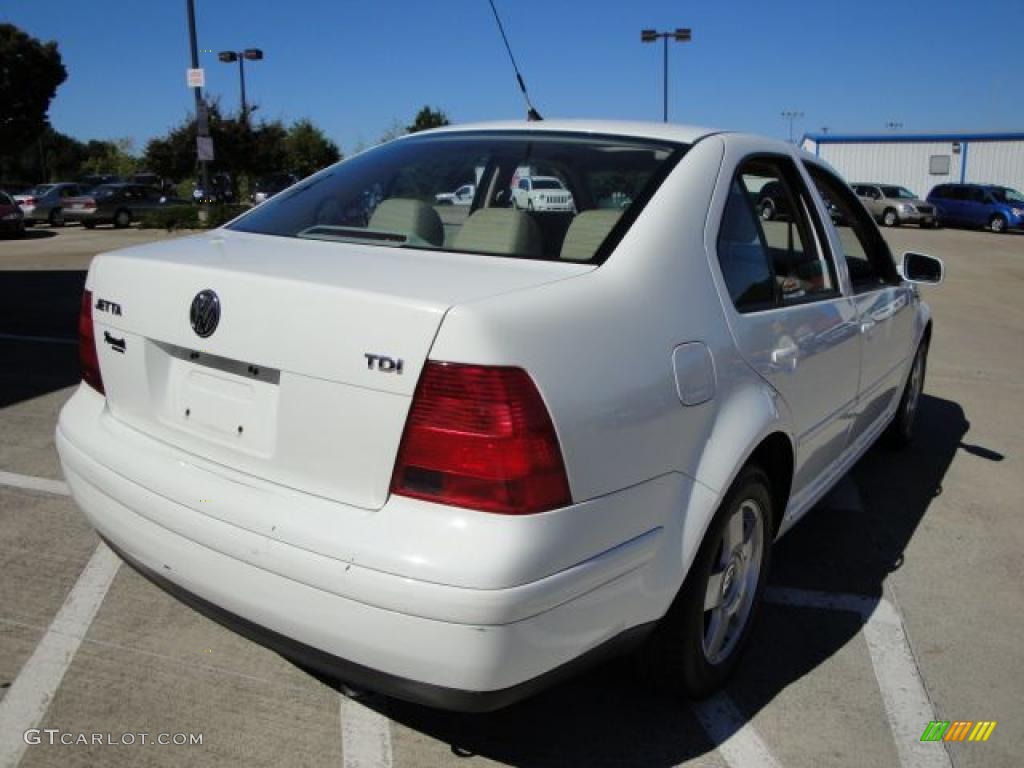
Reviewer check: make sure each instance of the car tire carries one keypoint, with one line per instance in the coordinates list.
(122, 219)
(56, 217)
(89, 224)
(997, 224)
(890, 218)
(900, 432)
(767, 210)
(695, 649)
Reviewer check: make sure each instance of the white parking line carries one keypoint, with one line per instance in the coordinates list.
(365, 736)
(906, 702)
(33, 689)
(34, 483)
(38, 339)
(735, 738)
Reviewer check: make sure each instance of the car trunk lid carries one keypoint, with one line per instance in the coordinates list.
(307, 378)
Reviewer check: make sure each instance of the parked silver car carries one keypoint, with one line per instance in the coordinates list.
(894, 205)
(47, 202)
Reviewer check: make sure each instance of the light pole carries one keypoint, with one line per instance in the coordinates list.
(791, 115)
(202, 125)
(228, 57)
(680, 35)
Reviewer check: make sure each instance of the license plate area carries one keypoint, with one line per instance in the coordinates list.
(230, 402)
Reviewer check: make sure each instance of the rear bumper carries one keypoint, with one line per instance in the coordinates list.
(451, 646)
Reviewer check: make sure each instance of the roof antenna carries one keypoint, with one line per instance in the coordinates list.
(531, 113)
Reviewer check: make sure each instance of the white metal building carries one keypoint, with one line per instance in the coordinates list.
(921, 161)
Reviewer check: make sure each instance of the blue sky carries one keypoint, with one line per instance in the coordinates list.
(356, 67)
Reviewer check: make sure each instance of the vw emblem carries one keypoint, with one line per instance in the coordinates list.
(205, 313)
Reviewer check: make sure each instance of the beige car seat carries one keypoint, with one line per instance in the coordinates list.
(500, 230)
(586, 233)
(408, 217)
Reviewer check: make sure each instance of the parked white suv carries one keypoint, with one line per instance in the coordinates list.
(541, 193)
(450, 461)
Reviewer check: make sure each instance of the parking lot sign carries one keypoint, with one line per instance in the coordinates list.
(196, 78)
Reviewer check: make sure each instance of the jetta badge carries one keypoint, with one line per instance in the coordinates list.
(205, 313)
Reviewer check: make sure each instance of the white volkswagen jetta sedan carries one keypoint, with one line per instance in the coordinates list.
(451, 459)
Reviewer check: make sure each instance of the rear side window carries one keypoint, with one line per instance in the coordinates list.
(399, 195)
(868, 258)
(767, 247)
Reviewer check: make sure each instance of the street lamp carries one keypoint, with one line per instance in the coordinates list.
(680, 35)
(229, 57)
(791, 115)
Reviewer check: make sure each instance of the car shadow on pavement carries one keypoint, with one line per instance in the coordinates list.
(38, 332)
(850, 544)
(32, 233)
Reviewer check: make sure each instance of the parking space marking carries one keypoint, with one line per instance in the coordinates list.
(33, 689)
(365, 736)
(34, 483)
(38, 339)
(906, 702)
(735, 738)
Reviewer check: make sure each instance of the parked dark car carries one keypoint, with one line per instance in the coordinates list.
(269, 186)
(93, 180)
(117, 204)
(222, 189)
(12, 220)
(979, 205)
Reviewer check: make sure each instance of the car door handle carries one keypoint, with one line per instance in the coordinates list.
(867, 327)
(786, 354)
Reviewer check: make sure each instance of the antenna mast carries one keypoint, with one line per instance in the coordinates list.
(531, 113)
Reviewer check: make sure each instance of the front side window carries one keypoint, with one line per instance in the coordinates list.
(767, 247)
(867, 256)
(396, 195)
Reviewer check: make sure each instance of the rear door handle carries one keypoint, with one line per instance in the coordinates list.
(786, 354)
(867, 327)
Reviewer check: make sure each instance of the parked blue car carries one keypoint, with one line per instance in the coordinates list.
(979, 205)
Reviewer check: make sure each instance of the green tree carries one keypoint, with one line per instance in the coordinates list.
(30, 72)
(117, 157)
(426, 119)
(308, 149)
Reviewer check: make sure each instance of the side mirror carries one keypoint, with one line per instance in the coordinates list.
(919, 268)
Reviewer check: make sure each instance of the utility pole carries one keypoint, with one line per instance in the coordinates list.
(202, 121)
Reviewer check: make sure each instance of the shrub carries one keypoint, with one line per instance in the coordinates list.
(187, 217)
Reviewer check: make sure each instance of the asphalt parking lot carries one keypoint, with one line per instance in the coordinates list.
(898, 601)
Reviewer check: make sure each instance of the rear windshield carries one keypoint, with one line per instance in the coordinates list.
(400, 195)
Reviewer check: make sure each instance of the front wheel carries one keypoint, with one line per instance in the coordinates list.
(698, 644)
(997, 224)
(767, 210)
(889, 218)
(900, 432)
(122, 219)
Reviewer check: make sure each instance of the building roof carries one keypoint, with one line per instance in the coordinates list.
(892, 138)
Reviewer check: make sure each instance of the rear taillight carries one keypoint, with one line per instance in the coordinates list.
(87, 345)
(480, 437)
(29, 201)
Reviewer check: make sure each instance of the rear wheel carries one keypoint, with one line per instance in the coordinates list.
(699, 642)
(889, 218)
(122, 219)
(57, 217)
(900, 432)
(997, 224)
